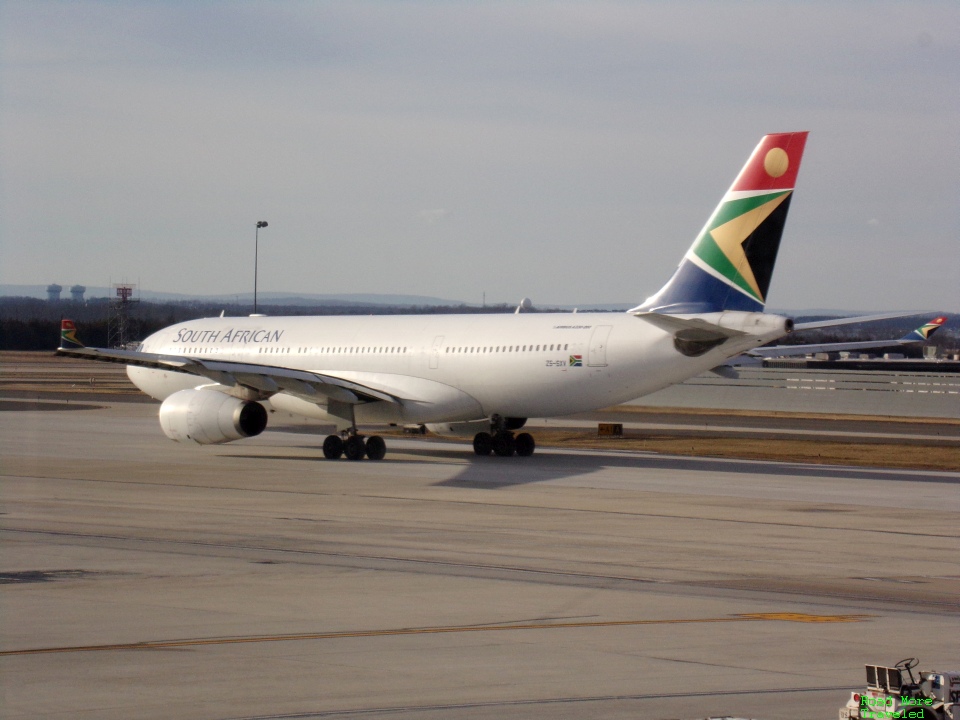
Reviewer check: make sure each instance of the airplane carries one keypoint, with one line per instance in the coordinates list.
(479, 375)
(919, 335)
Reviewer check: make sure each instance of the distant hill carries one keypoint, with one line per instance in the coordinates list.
(367, 299)
(289, 299)
(40, 291)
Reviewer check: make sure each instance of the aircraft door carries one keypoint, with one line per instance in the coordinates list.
(597, 357)
(435, 353)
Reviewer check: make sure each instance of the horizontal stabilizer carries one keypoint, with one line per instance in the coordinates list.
(726, 371)
(691, 325)
(730, 324)
(696, 334)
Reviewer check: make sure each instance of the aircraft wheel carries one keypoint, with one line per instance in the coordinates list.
(504, 445)
(525, 444)
(332, 447)
(483, 443)
(354, 448)
(376, 447)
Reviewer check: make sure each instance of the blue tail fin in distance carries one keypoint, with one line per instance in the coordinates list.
(924, 332)
(68, 335)
(730, 264)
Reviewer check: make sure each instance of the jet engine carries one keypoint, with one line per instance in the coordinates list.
(209, 417)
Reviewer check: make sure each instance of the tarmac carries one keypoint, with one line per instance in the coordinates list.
(142, 578)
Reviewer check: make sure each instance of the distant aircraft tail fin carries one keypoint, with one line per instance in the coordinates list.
(924, 332)
(68, 334)
(730, 264)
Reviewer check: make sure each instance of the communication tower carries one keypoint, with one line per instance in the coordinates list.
(123, 326)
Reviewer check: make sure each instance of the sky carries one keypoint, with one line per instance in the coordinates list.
(564, 151)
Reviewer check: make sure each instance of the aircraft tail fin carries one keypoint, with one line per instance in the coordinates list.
(730, 264)
(68, 335)
(924, 332)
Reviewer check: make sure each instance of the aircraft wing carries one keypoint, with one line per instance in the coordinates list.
(833, 322)
(267, 379)
(788, 350)
(921, 334)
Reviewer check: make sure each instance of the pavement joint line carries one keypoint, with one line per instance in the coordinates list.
(198, 642)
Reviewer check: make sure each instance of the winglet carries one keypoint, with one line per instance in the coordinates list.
(68, 334)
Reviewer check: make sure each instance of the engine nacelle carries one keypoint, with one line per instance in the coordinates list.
(208, 417)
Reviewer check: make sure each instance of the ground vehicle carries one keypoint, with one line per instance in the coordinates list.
(896, 693)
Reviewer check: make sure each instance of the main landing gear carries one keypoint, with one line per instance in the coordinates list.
(354, 446)
(502, 442)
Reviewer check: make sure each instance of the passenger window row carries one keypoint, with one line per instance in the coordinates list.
(506, 348)
(366, 350)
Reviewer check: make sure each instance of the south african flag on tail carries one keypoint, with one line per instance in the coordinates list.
(923, 333)
(68, 334)
(730, 264)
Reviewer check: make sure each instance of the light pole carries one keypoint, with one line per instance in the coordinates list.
(256, 253)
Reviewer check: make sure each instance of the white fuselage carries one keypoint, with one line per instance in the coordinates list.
(448, 368)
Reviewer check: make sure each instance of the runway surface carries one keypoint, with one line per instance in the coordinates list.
(141, 578)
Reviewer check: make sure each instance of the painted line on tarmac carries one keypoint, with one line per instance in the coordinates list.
(197, 642)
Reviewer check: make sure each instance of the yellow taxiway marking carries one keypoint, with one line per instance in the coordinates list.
(804, 618)
(165, 644)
